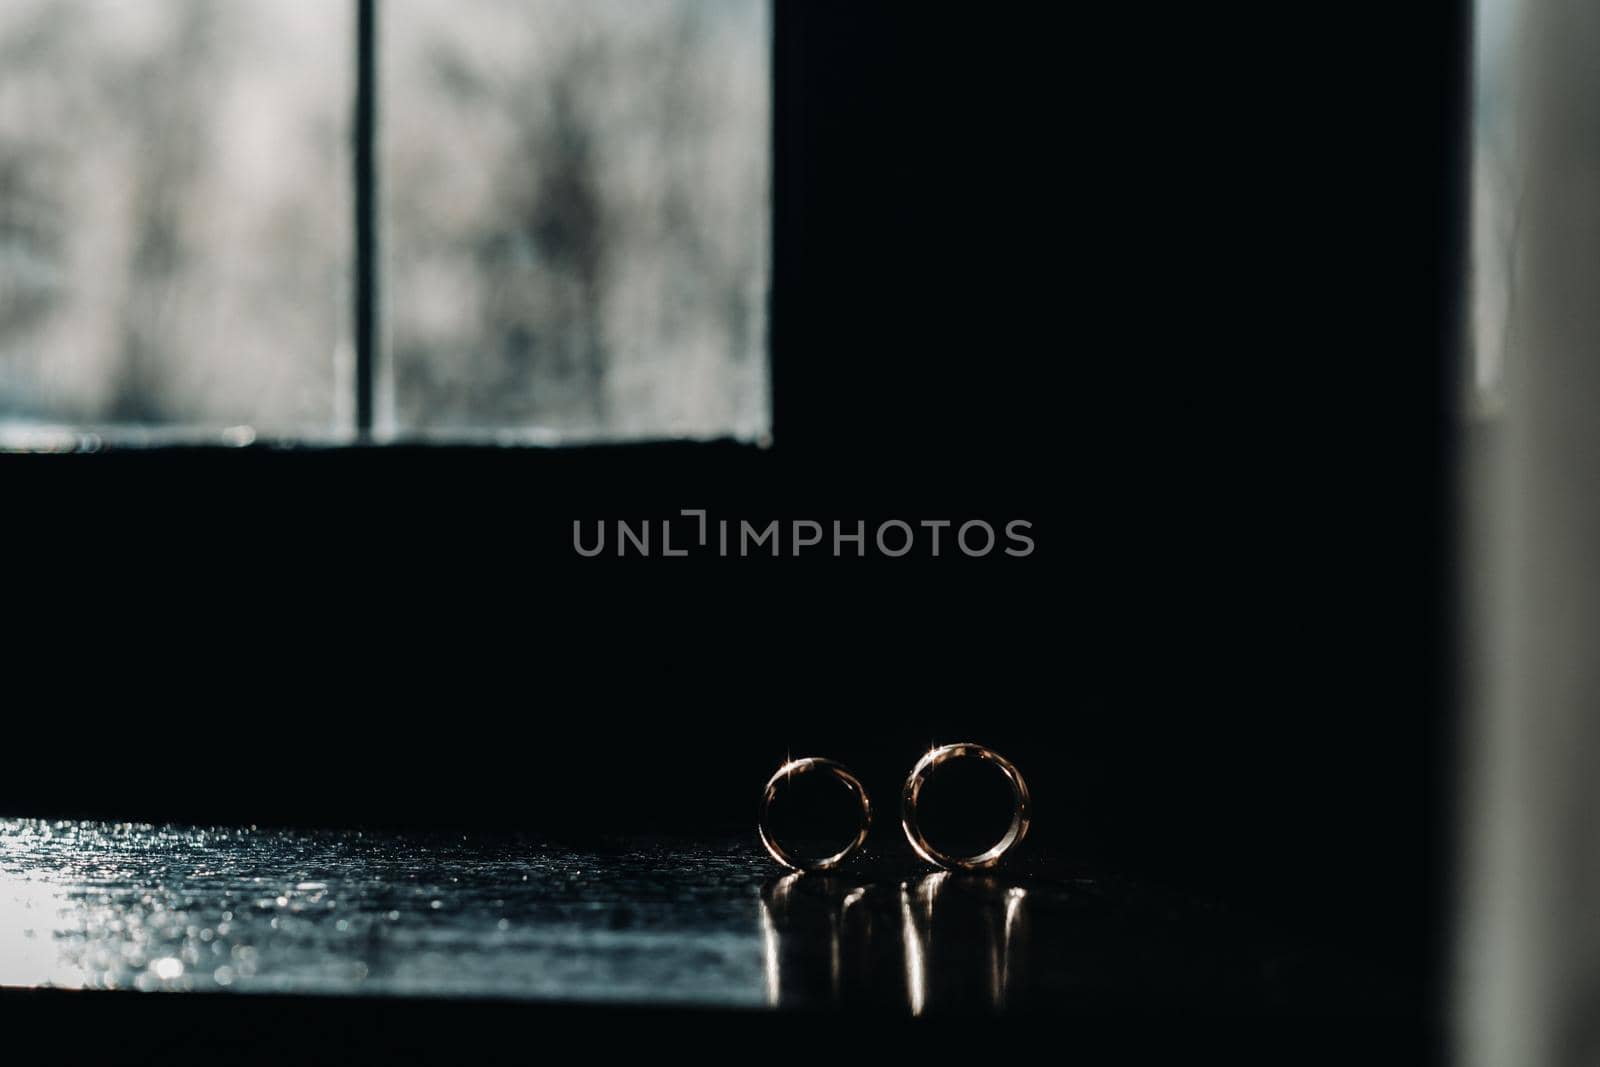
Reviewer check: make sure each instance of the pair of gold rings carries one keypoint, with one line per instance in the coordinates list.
(1020, 813)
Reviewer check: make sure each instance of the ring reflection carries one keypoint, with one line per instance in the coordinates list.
(944, 941)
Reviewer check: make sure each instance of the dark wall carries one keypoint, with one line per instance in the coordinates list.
(1175, 289)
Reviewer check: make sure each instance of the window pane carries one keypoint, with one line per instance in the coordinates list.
(174, 215)
(1496, 198)
(576, 216)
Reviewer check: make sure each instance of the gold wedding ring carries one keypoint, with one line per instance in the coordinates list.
(805, 766)
(913, 790)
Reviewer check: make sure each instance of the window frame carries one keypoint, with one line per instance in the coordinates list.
(367, 326)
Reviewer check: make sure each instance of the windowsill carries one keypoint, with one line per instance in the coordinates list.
(57, 440)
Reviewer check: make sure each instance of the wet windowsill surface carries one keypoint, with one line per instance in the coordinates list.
(709, 924)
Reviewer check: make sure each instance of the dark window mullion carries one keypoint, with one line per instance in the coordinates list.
(366, 213)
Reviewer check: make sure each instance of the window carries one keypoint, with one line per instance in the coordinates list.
(1496, 201)
(540, 220)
